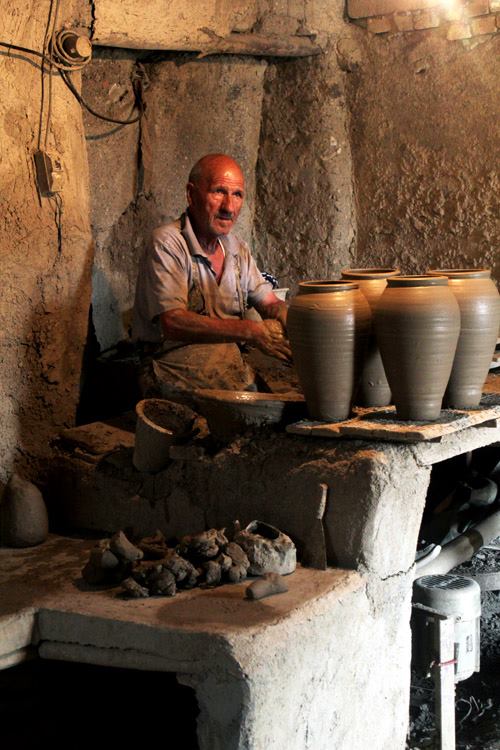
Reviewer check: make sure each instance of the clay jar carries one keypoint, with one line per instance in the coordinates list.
(479, 304)
(373, 387)
(328, 324)
(417, 322)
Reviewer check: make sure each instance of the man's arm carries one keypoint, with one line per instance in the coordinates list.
(184, 325)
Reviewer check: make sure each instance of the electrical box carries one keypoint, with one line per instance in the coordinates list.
(49, 173)
(458, 598)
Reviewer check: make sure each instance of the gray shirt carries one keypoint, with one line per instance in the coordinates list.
(176, 273)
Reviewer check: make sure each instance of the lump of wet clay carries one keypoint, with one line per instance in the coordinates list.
(104, 566)
(213, 573)
(184, 572)
(239, 563)
(203, 546)
(154, 577)
(133, 589)
(269, 584)
(124, 549)
(161, 582)
(154, 547)
(23, 514)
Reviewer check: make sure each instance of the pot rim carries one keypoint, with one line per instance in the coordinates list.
(370, 273)
(323, 286)
(461, 273)
(416, 281)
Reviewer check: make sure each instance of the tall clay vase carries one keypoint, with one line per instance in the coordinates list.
(373, 387)
(417, 322)
(479, 304)
(328, 324)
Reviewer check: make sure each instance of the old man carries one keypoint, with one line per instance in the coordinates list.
(196, 281)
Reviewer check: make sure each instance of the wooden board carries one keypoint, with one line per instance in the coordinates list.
(382, 424)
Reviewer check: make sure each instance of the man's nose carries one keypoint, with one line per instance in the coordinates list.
(228, 202)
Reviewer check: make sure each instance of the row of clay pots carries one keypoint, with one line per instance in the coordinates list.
(435, 333)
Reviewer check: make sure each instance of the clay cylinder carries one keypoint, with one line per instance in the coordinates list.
(479, 304)
(373, 387)
(417, 322)
(152, 439)
(328, 325)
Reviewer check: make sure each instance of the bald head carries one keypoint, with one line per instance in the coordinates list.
(205, 166)
(215, 194)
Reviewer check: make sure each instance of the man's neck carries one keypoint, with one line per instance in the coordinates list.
(209, 244)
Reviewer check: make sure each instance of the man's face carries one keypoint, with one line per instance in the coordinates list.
(215, 200)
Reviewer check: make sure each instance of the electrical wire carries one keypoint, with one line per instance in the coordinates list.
(63, 70)
(58, 212)
(45, 50)
(83, 103)
(46, 37)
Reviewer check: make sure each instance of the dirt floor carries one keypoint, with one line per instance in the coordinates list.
(477, 703)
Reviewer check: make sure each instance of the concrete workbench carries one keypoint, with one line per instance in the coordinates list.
(260, 679)
(324, 667)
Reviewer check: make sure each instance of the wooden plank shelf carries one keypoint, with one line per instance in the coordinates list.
(382, 423)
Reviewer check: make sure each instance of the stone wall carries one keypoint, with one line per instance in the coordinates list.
(458, 19)
(424, 139)
(45, 249)
(305, 224)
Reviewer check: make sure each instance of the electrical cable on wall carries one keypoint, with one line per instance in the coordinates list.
(64, 70)
(49, 30)
(66, 51)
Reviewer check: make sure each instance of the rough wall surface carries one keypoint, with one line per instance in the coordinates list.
(128, 23)
(114, 183)
(272, 27)
(305, 222)
(138, 175)
(45, 251)
(425, 143)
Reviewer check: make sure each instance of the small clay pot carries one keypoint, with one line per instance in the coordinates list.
(417, 323)
(373, 387)
(328, 325)
(268, 549)
(479, 304)
(160, 424)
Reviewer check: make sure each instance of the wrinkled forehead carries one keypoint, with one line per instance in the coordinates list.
(225, 174)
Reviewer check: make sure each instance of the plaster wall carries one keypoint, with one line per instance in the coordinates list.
(305, 225)
(425, 144)
(45, 249)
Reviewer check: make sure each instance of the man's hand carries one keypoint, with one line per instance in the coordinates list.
(268, 335)
(273, 308)
(271, 340)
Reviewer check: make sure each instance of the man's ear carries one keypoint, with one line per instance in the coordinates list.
(189, 193)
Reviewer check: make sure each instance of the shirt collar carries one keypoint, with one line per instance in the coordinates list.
(187, 231)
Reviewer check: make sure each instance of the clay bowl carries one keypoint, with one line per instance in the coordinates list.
(230, 413)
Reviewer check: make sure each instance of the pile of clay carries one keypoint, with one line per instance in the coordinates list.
(152, 568)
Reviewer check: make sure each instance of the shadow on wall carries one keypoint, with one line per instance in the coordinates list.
(115, 269)
(110, 380)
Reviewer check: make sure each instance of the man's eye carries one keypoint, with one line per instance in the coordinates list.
(238, 194)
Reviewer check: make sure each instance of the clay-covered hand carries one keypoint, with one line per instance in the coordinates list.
(271, 340)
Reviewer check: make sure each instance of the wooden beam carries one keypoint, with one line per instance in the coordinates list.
(263, 45)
